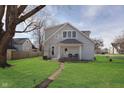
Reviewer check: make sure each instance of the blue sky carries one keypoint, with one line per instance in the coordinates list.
(105, 22)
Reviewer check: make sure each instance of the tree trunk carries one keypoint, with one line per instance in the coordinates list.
(4, 41)
(40, 47)
(3, 58)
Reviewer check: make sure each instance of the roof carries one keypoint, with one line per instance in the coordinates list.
(19, 41)
(33, 47)
(54, 27)
(53, 30)
(49, 31)
(71, 41)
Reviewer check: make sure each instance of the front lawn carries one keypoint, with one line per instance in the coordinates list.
(26, 72)
(100, 73)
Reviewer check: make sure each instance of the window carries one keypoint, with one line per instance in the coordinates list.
(74, 34)
(53, 50)
(69, 34)
(64, 34)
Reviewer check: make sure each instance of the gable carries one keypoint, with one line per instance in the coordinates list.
(27, 42)
(49, 31)
(68, 27)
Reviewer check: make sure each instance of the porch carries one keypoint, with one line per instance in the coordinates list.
(70, 51)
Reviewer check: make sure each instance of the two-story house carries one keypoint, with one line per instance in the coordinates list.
(66, 41)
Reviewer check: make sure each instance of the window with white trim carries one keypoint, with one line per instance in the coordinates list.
(64, 34)
(69, 33)
(73, 34)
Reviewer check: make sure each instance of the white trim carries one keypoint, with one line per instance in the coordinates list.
(59, 51)
(67, 34)
(80, 52)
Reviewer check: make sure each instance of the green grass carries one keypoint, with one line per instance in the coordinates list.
(24, 72)
(98, 74)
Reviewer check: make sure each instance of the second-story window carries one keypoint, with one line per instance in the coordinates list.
(64, 34)
(69, 34)
(74, 34)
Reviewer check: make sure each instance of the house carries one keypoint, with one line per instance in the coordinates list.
(20, 48)
(21, 44)
(112, 50)
(66, 41)
(118, 48)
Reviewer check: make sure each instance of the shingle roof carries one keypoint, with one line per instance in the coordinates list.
(49, 31)
(54, 27)
(19, 40)
(70, 41)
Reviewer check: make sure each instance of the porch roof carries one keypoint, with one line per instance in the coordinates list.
(70, 41)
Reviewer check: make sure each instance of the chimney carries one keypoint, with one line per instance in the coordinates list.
(87, 33)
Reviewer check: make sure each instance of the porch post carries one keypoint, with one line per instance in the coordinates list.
(59, 51)
(80, 52)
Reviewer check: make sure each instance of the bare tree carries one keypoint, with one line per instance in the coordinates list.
(98, 45)
(13, 16)
(38, 34)
(118, 43)
(46, 20)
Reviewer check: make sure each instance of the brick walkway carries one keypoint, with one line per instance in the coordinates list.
(52, 77)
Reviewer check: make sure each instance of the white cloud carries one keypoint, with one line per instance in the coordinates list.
(91, 11)
(108, 32)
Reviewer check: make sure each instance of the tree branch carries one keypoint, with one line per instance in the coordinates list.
(29, 14)
(11, 18)
(8, 11)
(21, 9)
(2, 9)
(25, 30)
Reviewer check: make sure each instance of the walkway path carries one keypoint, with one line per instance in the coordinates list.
(52, 77)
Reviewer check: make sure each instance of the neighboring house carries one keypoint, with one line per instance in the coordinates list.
(118, 47)
(66, 41)
(21, 44)
(113, 50)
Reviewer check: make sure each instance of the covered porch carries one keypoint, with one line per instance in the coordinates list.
(70, 51)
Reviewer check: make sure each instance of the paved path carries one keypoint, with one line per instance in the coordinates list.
(52, 77)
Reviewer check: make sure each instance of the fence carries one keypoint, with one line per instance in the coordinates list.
(21, 54)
